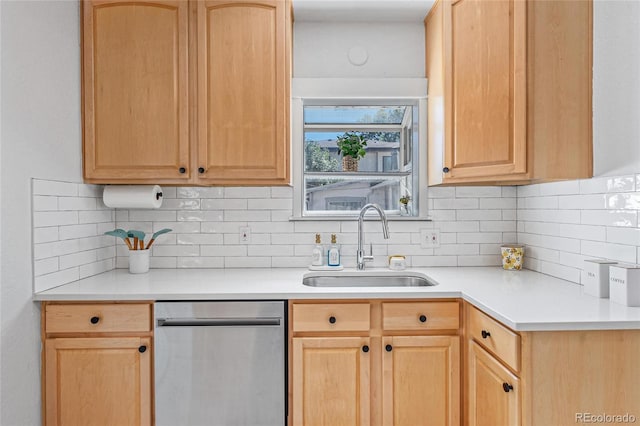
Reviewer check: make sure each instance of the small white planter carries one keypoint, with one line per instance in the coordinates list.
(138, 261)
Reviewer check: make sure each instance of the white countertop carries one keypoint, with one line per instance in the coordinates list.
(523, 300)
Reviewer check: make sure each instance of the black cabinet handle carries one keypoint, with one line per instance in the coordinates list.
(423, 318)
(365, 348)
(182, 170)
(201, 170)
(445, 170)
(485, 334)
(94, 320)
(507, 387)
(388, 348)
(142, 349)
(332, 319)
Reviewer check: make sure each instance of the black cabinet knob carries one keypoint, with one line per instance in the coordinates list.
(94, 320)
(200, 170)
(332, 319)
(142, 349)
(182, 170)
(423, 318)
(485, 334)
(388, 348)
(445, 170)
(365, 348)
(507, 387)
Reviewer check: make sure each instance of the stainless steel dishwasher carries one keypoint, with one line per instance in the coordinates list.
(220, 363)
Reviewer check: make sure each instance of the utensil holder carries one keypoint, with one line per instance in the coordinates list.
(138, 261)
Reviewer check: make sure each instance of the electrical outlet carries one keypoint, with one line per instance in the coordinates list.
(429, 238)
(245, 234)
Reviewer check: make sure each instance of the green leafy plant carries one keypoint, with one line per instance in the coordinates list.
(352, 144)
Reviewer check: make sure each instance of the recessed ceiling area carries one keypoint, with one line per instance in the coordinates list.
(361, 10)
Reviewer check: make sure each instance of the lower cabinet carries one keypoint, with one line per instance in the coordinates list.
(388, 363)
(331, 382)
(97, 364)
(494, 392)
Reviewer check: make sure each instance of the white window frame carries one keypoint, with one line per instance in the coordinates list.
(364, 90)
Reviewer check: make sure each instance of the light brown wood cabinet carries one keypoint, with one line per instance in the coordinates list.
(186, 92)
(547, 377)
(509, 91)
(97, 364)
(375, 362)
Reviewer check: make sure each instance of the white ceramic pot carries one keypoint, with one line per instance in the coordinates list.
(138, 261)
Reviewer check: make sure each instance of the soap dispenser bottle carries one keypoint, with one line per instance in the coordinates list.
(333, 255)
(317, 259)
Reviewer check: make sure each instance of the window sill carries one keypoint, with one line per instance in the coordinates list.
(348, 218)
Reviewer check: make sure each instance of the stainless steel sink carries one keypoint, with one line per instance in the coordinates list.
(364, 279)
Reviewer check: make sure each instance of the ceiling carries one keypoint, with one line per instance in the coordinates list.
(361, 10)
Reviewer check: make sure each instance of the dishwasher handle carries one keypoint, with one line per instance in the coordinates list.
(218, 322)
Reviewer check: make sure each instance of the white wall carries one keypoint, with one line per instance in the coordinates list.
(40, 138)
(616, 87)
(320, 49)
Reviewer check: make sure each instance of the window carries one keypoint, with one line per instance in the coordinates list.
(332, 183)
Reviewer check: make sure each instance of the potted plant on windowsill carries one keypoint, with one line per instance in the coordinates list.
(352, 147)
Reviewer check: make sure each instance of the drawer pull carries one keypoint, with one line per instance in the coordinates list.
(388, 348)
(507, 387)
(94, 320)
(332, 319)
(142, 349)
(365, 348)
(423, 318)
(485, 334)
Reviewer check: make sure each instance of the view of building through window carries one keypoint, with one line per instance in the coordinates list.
(354, 155)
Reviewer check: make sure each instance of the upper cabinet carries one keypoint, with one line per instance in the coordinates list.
(509, 87)
(243, 91)
(135, 91)
(181, 92)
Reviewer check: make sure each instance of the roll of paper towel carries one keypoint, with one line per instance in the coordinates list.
(132, 196)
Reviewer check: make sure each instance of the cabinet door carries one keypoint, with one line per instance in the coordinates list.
(485, 88)
(135, 91)
(331, 381)
(421, 380)
(493, 391)
(98, 381)
(243, 91)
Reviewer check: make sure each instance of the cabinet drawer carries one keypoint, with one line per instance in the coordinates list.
(331, 317)
(495, 337)
(420, 315)
(97, 318)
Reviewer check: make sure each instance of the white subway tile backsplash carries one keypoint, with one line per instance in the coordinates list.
(583, 202)
(76, 203)
(45, 235)
(78, 231)
(555, 216)
(54, 188)
(270, 204)
(607, 184)
(55, 279)
(180, 204)
(77, 259)
(429, 261)
(93, 191)
(441, 192)
(629, 236)
(560, 188)
(281, 192)
(498, 203)
(200, 216)
(95, 268)
(177, 227)
(97, 216)
(254, 238)
(610, 217)
(479, 214)
(199, 239)
(455, 203)
(200, 262)
(199, 192)
(498, 226)
(45, 266)
(152, 216)
(478, 191)
(561, 271)
(42, 219)
(479, 237)
(457, 249)
(177, 250)
(481, 260)
(624, 201)
(247, 262)
(549, 202)
(247, 215)
(247, 192)
(43, 203)
(226, 250)
(224, 204)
